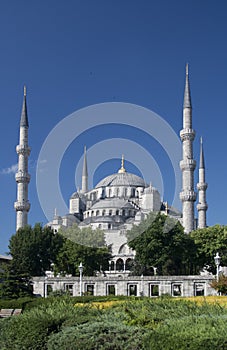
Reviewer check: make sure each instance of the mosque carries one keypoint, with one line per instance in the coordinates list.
(122, 199)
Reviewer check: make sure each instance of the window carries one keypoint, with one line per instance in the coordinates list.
(110, 212)
(117, 212)
(199, 289)
(132, 289)
(111, 289)
(112, 266)
(90, 289)
(49, 289)
(103, 213)
(69, 288)
(154, 290)
(176, 290)
(128, 264)
(97, 212)
(120, 265)
(109, 226)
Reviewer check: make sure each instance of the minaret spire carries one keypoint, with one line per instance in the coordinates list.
(85, 173)
(187, 93)
(188, 164)
(22, 176)
(202, 187)
(122, 169)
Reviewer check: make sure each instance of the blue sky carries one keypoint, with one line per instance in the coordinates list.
(72, 54)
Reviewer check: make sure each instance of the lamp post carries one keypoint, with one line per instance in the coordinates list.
(81, 272)
(217, 260)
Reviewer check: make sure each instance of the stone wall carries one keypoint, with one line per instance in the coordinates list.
(151, 286)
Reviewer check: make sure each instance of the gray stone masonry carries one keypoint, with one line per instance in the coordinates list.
(150, 286)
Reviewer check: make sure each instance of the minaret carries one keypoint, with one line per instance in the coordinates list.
(202, 186)
(22, 177)
(188, 164)
(84, 188)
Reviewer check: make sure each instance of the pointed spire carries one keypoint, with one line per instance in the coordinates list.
(187, 94)
(85, 173)
(201, 160)
(84, 188)
(24, 114)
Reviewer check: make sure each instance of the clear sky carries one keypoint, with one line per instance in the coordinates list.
(76, 53)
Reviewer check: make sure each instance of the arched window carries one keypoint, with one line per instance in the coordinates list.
(120, 265)
(92, 213)
(103, 213)
(112, 265)
(128, 264)
(133, 192)
(97, 212)
(117, 212)
(110, 212)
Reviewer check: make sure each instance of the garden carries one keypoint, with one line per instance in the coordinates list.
(112, 323)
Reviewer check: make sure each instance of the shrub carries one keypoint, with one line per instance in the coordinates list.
(32, 329)
(193, 333)
(103, 335)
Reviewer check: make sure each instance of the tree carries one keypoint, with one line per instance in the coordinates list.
(14, 285)
(82, 245)
(221, 285)
(160, 242)
(208, 242)
(34, 250)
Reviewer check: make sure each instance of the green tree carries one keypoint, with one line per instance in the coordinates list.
(160, 242)
(34, 249)
(82, 245)
(208, 242)
(14, 285)
(221, 285)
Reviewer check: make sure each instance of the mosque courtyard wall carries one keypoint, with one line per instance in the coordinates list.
(150, 286)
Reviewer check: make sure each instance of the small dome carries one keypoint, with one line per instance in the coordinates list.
(122, 179)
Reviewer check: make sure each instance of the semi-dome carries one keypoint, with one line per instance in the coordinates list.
(122, 179)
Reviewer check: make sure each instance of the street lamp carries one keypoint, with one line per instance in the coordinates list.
(81, 272)
(217, 261)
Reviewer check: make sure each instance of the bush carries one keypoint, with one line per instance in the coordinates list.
(193, 333)
(103, 335)
(32, 329)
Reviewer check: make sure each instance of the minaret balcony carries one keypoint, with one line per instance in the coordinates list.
(202, 186)
(188, 164)
(21, 176)
(23, 149)
(187, 134)
(188, 196)
(22, 206)
(202, 206)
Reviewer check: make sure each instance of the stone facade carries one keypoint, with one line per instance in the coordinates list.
(150, 286)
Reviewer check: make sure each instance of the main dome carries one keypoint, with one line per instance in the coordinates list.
(122, 179)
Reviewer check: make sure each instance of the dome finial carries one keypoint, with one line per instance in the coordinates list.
(122, 170)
